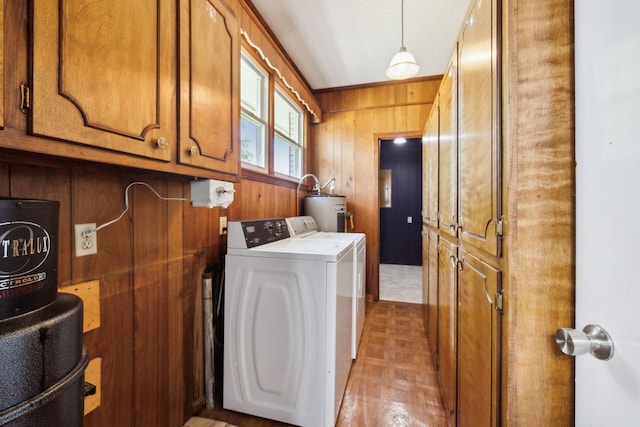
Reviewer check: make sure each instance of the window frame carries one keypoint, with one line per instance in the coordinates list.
(279, 91)
(268, 174)
(251, 116)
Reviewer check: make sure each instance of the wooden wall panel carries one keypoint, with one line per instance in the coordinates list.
(540, 236)
(150, 266)
(98, 197)
(346, 158)
(47, 184)
(353, 120)
(150, 281)
(4, 179)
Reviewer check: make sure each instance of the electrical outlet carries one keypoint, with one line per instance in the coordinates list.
(223, 225)
(86, 244)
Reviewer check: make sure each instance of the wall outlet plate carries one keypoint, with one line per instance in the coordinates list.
(85, 245)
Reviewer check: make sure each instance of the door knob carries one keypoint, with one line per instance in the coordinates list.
(592, 339)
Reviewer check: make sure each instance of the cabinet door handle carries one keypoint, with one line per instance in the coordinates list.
(194, 151)
(162, 142)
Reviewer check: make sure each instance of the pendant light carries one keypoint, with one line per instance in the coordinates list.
(403, 65)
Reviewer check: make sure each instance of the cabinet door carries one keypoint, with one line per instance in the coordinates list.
(425, 279)
(478, 343)
(103, 74)
(479, 140)
(209, 86)
(448, 150)
(447, 272)
(430, 167)
(432, 295)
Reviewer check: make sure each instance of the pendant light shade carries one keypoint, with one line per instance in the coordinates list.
(403, 64)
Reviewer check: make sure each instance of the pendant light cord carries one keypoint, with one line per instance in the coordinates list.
(402, 22)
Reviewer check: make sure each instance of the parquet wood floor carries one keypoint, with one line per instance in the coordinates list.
(392, 382)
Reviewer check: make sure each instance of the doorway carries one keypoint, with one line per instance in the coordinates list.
(400, 196)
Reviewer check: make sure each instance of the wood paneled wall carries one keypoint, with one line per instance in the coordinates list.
(149, 265)
(346, 146)
(539, 168)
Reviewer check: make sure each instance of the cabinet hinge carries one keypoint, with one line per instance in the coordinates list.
(499, 300)
(25, 97)
(500, 227)
(436, 361)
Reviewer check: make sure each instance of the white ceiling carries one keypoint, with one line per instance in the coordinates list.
(337, 43)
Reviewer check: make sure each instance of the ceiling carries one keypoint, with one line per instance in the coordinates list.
(336, 43)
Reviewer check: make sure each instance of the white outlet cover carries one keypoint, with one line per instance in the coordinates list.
(85, 246)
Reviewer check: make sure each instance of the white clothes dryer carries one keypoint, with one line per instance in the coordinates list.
(306, 227)
(287, 316)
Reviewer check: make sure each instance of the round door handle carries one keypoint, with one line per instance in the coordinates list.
(162, 142)
(592, 339)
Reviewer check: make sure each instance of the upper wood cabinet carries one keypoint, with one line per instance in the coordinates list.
(209, 86)
(479, 141)
(448, 150)
(103, 75)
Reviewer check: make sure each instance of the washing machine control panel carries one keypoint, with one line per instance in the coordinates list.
(260, 232)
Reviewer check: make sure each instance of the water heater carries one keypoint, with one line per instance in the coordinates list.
(329, 211)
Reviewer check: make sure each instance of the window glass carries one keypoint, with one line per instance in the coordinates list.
(257, 129)
(287, 150)
(254, 113)
(253, 88)
(252, 141)
(288, 118)
(287, 157)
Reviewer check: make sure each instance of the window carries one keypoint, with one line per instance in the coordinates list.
(287, 145)
(284, 137)
(254, 113)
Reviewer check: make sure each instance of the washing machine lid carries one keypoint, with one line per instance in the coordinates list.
(296, 248)
(333, 235)
(306, 227)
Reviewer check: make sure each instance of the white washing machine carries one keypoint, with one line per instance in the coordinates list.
(287, 324)
(306, 227)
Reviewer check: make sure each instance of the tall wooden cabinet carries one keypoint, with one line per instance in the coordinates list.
(479, 142)
(479, 325)
(430, 167)
(462, 213)
(447, 307)
(447, 143)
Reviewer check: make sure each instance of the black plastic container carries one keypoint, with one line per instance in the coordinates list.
(28, 255)
(42, 364)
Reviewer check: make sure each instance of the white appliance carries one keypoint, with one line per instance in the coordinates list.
(306, 227)
(328, 210)
(287, 324)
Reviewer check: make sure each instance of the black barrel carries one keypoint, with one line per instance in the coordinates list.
(42, 363)
(28, 255)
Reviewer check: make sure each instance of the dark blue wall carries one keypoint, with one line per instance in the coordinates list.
(401, 242)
